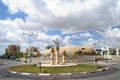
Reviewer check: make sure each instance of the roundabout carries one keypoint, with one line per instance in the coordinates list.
(61, 71)
(111, 74)
(75, 75)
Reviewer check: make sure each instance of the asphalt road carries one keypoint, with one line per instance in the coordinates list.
(112, 74)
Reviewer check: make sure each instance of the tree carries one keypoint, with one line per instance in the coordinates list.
(15, 54)
(3, 56)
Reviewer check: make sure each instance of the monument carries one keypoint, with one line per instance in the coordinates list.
(53, 58)
(57, 42)
(64, 55)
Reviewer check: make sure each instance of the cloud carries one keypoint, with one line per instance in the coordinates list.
(86, 35)
(69, 16)
(88, 15)
(113, 34)
(75, 36)
(90, 42)
(16, 23)
(68, 41)
(12, 36)
(113, 37)
(17, 6)
(34, 13)
(42, 40)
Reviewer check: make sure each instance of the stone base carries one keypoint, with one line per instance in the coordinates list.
(58, 65)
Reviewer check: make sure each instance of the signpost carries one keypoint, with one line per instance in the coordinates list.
(95, 59)
(39, 64)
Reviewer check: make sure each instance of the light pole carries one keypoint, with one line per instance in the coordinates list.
(117, 50)
(105, 40)
(93, 44)
(30, 37)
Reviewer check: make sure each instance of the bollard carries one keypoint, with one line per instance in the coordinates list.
(39, 63)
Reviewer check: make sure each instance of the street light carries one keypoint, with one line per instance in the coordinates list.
(93, 44)
(30, 37)
(104, 38)
(117, 50)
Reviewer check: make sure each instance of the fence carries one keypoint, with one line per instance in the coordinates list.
(77, 59)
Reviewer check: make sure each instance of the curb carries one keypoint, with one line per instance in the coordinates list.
(42, 74)
(26, 73)
(62, 74)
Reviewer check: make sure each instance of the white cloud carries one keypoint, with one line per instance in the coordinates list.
(10, 24)
(44, 40)
(75, 37)
(70, 16)
(86, 35)
(73, 15)
(17, 6)
(90, 15)
(90, 42)
(113, 34)
(12, 36)
(63, 8)
(117, 10)
(47, 38)
(81, 35)
(68, 41)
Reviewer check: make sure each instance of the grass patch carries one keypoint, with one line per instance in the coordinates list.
(56, 70)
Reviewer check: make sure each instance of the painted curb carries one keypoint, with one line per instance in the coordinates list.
(43, 74)
(26, 73)
(13, 72)
(65, 74)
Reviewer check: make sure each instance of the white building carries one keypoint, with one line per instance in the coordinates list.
(108, 51)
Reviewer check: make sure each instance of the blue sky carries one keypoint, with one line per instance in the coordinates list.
(75, 22)
(5, 13)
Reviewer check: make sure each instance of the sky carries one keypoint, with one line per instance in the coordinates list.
(73, 22)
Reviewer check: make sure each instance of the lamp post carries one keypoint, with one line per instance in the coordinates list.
(105, 39)
(117, 50)
(93, 44)
(30, 42)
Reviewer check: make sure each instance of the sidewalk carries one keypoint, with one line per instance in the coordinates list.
(107, 62)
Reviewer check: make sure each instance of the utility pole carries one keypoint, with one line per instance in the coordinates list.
(117, 51)
(105, 43)
(30, 42)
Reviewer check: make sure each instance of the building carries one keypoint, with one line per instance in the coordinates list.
(114, 51)
(33, 50)
(70, 50)
(13, 51)
(12, 48)
(108, 51)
